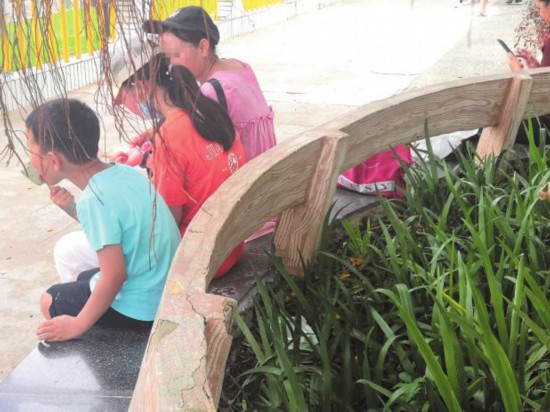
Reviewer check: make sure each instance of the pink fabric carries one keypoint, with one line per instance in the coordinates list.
(545, 62)
(380, 174)
(247, 107)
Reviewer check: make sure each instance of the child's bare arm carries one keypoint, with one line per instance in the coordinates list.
(113, 275)
(62, 198)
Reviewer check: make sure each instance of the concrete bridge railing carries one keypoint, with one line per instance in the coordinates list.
(187, 350)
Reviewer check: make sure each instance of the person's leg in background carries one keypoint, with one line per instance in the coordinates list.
(483, 10)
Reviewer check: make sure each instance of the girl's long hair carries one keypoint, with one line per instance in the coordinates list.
(180, 86)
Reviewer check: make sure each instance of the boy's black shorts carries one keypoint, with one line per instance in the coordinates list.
(69, 299)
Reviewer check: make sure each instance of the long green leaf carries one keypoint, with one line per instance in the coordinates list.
(498, 361)
(440, 379)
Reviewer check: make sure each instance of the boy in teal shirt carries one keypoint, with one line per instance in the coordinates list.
(124, 220)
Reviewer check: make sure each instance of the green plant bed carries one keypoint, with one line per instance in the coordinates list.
(438, 303)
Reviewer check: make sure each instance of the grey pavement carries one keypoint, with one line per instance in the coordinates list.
(312, 68)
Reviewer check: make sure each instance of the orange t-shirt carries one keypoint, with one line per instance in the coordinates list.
(188, 169)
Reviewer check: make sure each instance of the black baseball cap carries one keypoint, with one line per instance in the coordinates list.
(190, 20)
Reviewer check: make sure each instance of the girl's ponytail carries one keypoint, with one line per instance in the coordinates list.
(209, 118)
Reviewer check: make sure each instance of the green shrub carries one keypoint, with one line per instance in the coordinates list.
(440, 303)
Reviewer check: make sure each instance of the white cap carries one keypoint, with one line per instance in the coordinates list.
(128, 55)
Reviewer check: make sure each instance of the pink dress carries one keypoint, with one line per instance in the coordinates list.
(247, 107)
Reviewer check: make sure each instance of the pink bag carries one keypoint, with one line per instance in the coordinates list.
(381, 174)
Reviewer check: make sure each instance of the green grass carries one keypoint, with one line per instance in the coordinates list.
(29, 47)
(439, 303)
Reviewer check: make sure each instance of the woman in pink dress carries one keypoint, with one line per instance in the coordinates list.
(189, 38)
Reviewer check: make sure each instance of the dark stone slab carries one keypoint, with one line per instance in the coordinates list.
(96, 372)
(239, 282)
(348, 203)
(62, 403)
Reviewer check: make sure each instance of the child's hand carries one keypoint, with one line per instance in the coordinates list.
(63, 199)
(142, 138)
(132, 156)
(118, 155)
(59, 328)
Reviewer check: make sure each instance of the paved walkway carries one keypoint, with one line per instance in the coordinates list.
(312, 68)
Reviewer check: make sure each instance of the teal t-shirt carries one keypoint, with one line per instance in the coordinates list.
(119, 206)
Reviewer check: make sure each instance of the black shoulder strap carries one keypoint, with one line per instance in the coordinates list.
(219, 92)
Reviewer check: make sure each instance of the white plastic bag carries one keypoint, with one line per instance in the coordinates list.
(442, 145)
